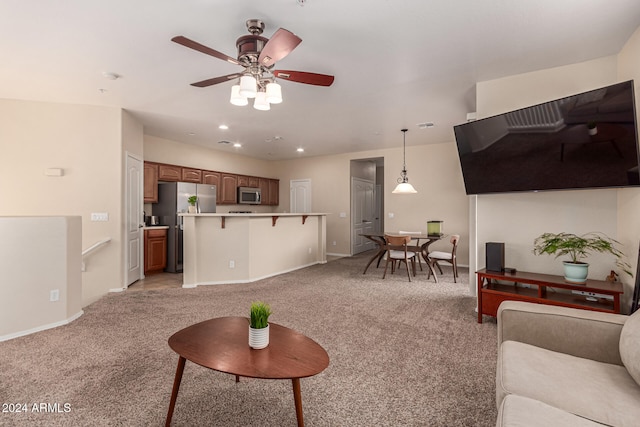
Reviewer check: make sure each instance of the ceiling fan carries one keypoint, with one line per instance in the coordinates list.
(258, 56)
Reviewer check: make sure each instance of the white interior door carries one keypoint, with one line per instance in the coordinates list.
(300, 200)
(134, 251)
(362, 213)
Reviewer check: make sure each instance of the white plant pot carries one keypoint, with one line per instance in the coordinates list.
(258, 338)
(593, 131)
(192, 209)
(575, 273)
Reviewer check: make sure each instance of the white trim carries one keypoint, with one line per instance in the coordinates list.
(41, 328)
(117, 289)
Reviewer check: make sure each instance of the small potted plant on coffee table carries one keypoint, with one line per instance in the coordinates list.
(578, 248)
(593, 128)
(259, 325)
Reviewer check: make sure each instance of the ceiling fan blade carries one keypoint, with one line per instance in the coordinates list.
(204, 49)
(216, 80)
(304, 77)
(279, 45)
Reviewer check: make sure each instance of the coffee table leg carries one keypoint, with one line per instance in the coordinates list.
(297, 397)
(176, 387)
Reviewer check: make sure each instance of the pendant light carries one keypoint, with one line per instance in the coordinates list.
(403, 186)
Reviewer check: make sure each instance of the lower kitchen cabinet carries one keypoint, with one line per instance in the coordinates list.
(155, 250)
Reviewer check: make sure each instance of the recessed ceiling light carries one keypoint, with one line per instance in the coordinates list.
(191, 134)
(300, 150)
(425, 125)
(237, 145)
(223, 127)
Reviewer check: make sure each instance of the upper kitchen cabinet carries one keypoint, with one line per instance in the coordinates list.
(229, 184)
(248, 181)
(191, 175)
(270, 191)
(274, 192)
(213, 178)
(169, 173)
(150, 182)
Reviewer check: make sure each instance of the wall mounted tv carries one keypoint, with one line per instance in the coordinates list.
(550, 146)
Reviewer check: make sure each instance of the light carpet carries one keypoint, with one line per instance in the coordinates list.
(401, 354)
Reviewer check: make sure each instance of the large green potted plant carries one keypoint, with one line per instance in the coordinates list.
(259, 325)
(578, 248)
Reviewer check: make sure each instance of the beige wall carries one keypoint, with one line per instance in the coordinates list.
(629, 199)
(434, 170)
(30, 272)
(516, 219)
(85, 142)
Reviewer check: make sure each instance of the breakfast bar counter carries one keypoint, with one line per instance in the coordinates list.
(240, 248)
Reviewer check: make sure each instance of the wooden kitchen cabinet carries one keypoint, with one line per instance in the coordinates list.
(150, 182)
(155, 250)
(248, 181)
(213, 178)
(169, 173)
(191, 175)
(229, 191)
(270, 191)
(274, 192)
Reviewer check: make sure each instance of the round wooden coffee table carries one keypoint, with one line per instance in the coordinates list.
(222, 344)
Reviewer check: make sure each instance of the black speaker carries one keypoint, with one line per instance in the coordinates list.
(495, 256)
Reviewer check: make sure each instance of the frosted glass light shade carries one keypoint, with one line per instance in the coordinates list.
(274, 93)
(404, 188)
(236, 98)
(248, 86)
(260, 103)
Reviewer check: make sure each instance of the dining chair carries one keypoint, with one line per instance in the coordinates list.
(396, 251)
(435, 257)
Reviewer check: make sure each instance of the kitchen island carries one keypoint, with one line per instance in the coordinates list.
(240, 248)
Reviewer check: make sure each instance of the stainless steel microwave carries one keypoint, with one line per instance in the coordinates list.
(249, 196)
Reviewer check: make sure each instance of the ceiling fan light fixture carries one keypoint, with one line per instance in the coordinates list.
(248, 86)
(274, 93)
(236, 98)
(261, 103)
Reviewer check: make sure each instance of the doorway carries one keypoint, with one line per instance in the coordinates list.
(367, 201)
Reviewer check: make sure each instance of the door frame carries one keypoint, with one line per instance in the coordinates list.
(128, 222)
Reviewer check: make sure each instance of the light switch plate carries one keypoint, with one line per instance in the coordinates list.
(99, 216)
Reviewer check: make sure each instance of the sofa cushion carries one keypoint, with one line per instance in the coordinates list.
(630, 345)
(601, 392)
(519, 411)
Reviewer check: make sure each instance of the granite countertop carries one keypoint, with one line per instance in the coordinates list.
(155, 227)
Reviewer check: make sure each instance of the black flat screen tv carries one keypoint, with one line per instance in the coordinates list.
(551, 146)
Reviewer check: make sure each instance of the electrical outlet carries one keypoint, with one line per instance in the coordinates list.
(54, 295)
(334, 243)
(391, 215)
(232, 264)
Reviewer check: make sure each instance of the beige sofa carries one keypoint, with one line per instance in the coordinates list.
(560, 366)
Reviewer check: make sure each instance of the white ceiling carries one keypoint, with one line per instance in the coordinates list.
(396, 63)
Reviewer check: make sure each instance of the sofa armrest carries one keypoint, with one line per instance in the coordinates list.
(582, 333)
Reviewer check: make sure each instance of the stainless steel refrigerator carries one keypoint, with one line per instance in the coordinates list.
(172, 200)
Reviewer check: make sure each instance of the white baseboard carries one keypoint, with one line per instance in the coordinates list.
(41, 328)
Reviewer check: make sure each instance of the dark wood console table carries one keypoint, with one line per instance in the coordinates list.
(544, 289)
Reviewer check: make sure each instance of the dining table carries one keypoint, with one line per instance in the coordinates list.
(422, 249)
